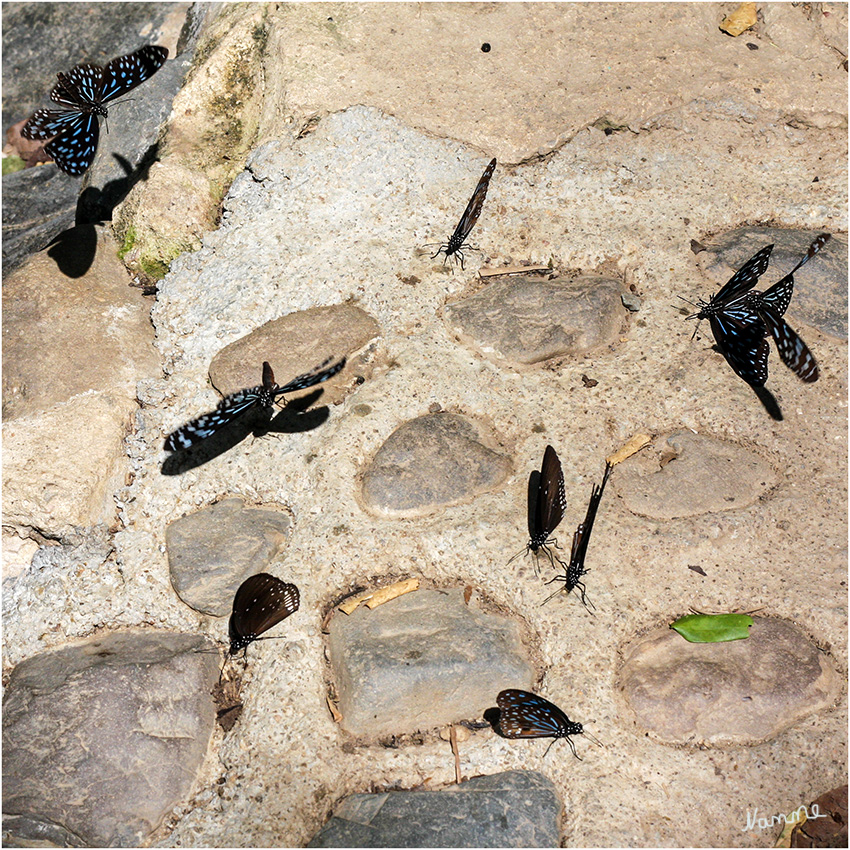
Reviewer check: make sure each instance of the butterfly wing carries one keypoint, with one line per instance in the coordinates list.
(535, 525)
(79, 88)
(746, 277)
(576, 569)
(551, 499)
(792, 350)
(47, 123)
(316, 376)
(260, 603)
(740, 336)
(73, 150)
(123, 74)
(473, 208)
(526, 715)
(230, 408)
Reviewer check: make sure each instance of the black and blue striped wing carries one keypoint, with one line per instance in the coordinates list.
(74, 148)
(315, 376)
(229, 409)
(123, 74)
(795, 354)
(47, 123)
(745, 278)
(741, 337)
(523, 714)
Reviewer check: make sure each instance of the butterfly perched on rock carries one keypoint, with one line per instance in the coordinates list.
(741, 319)
(522, 714)
(260, 603)
(84, 92)
(574, 570)
(457, 241)
(547, 502)
(235, 405)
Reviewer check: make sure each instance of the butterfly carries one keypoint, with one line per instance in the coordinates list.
(233, 406)
(522, 714)
(575, 569)
(457, 241)
(85, 90)
(741, 318)
(546, 505)
(261, 602)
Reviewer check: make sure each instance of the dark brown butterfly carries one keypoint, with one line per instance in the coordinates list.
(261, 602)
(546, 505)
(575, 569)
(457, 241)
(522, 714)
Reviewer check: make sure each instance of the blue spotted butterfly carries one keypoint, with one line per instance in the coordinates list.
(741, 319)
(233, 406)
(85, 90)
(522, 714)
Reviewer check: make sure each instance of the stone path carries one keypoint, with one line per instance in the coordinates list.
(642, 156)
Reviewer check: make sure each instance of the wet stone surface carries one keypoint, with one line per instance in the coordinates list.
(820, 286)
(212, 551)
(528, 320)
(431, 462)
(736, 692)
(691, 474)
(135, 716)
(513, 809)
(420, 661)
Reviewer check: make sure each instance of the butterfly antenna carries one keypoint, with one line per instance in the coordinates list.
(595, 740)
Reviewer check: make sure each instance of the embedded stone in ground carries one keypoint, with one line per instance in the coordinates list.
(431, 462)
(737, 692)
(690, 474)
(297, 343)
(820, 286)
(518, 808)
(422, 660)
(212, 551)
(101, 739)
(528, 320)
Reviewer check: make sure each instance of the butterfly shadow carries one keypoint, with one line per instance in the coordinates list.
(73, 250)
(293, 419)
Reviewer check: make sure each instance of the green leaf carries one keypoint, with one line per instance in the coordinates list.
(713, 628)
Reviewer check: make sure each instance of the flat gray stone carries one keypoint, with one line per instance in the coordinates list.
(690, 474)
(431, 462)
(820, 286)
(101, 739)
(517, 808)
(212, 551)
(736, 692)
(529, 320)
(422, 660)
(296, 343)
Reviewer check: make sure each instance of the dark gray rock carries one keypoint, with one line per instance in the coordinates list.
(737, 692)
(528, 320)
(212, 551)
(514, 809)
(40, 40)
(38, 204)
(431, 462)
(101, 739)
(690, 474)
(422, 660)
(820, 286)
